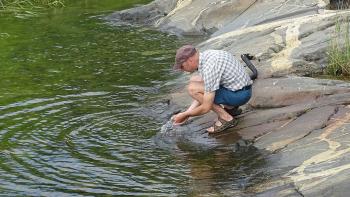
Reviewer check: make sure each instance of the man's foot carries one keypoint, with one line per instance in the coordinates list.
(221, 125)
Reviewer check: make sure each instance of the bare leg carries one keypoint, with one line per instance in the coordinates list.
(196, 91)
(195, 103)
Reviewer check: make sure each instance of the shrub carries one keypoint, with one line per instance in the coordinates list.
(339, 4)
(339, 50)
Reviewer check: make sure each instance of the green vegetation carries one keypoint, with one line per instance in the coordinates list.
(339, 50)
(17, 5)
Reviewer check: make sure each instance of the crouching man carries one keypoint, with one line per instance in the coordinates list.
(221, 84)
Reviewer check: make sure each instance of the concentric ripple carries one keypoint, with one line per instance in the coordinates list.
(68, 144)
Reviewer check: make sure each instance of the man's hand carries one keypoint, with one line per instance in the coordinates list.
(180, 118)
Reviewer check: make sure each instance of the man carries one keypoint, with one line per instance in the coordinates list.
(222, 81)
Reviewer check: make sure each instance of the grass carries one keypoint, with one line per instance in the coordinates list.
(339, 4)
(27, 8)
(13, 5)
(339, 50)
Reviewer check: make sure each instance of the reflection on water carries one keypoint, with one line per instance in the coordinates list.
(74, 103)
(223, 172)
(220, 165)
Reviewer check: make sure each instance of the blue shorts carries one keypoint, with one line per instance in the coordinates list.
(233, 98)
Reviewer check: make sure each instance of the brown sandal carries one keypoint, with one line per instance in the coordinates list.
(224, 125)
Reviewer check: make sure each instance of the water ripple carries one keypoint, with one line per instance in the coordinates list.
(75, 144)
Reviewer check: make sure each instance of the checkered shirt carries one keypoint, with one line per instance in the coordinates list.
(220, 68)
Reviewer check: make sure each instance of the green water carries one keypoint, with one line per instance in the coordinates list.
(73, 120)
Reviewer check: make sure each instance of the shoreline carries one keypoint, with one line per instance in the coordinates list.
(300, 121)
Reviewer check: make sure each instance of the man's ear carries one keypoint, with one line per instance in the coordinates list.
(191, 58)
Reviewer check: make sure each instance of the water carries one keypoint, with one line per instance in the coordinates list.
(73, 111)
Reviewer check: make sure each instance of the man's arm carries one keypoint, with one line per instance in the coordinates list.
(205, 107)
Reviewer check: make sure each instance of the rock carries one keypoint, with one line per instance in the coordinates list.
(143, 15)
(193, 17)
(264, 12)
(288, 46)
(296, 129)
(319, 162)
(280, 92)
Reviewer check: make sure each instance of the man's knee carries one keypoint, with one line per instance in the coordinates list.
(191, 88)
(194, 88)
(196, 78)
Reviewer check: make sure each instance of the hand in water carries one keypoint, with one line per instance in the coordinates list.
(179, 118)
